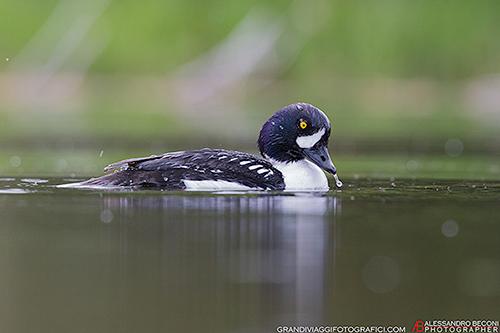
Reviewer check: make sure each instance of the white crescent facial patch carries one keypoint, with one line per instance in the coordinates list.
(310, 140)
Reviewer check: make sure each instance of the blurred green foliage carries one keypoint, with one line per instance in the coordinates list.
(393, 76)
(438, 39)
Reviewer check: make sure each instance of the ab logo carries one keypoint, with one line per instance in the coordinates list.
(418, 327)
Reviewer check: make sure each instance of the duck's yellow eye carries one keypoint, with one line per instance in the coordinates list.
(303, 124)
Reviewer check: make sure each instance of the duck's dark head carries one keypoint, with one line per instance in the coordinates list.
(296, 132)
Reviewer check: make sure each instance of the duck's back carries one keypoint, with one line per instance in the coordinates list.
(204, 169)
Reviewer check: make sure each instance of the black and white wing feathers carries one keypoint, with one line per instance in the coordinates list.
(171, 170)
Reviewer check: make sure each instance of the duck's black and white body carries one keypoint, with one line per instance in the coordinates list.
(294, 148)
(196, 169)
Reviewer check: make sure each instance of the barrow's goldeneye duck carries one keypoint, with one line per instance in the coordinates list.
(294, 148)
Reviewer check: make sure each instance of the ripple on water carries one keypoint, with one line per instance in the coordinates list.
(362, 188)
(5, 179)
(14, 191)
(34, 180)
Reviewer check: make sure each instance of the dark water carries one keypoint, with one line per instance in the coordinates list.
(377, 252)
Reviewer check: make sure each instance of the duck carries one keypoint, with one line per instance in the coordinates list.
(293, 145)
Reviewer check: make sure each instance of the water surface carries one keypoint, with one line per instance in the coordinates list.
(379, 251)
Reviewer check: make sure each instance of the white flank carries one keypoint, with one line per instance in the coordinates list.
(310, 140)
(302, 176)
(82, 185)
(212, 185)
(70, 185)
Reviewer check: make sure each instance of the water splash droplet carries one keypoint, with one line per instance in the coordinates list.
(450, 228)
(15, 161)
(337, 181)
(454, 147)
(106, 216)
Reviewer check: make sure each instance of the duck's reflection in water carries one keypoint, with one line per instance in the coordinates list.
(263, 255)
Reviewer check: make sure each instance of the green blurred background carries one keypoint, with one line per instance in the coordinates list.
(412, 87)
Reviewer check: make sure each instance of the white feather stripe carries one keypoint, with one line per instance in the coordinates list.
(253, 167)
(309, 141)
